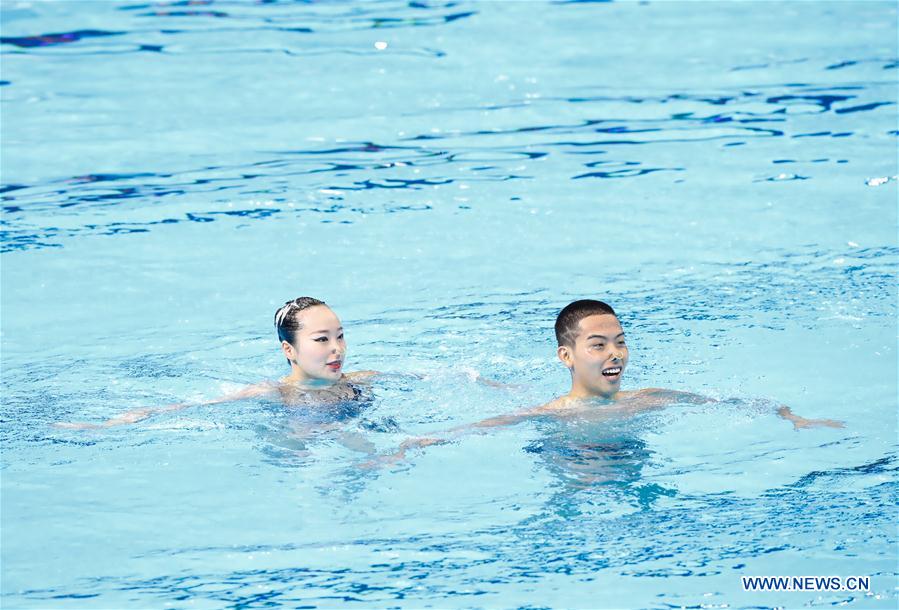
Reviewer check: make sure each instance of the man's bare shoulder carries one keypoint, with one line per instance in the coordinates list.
(658, 397)
(644, 393)
(557, 406)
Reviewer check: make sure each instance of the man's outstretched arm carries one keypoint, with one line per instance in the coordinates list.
(656, 398)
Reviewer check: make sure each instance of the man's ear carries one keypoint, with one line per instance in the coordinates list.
(289, 352)
(564, 354)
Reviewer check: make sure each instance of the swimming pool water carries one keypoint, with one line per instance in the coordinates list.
(447, 175)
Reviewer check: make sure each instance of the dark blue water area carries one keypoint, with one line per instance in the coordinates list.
(52, 39)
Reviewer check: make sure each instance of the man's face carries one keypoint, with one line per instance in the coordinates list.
(598, 358)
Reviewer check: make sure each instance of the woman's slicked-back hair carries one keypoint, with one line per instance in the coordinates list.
(287, 322)
(569, 318)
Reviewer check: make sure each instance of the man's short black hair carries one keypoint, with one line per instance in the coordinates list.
(571, 316)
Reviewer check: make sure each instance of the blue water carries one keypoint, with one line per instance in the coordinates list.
(447, 175)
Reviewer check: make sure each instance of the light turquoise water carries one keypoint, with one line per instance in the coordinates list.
(722, 173)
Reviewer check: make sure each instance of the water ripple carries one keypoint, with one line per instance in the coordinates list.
(414, 162)
(45, 40)
(196, 17)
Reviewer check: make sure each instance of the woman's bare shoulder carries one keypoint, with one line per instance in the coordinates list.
(361, 375)
(251, 391)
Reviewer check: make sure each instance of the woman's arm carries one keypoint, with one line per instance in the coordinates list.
(137, 415)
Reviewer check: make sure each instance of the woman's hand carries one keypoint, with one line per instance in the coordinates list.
(76, 425)
(420, 442)
(130, 417)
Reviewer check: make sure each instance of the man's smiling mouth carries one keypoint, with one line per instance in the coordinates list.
(612, 371)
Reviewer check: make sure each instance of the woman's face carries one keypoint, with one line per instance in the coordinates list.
(318, 349)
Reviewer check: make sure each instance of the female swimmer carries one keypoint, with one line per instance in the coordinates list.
(312, 340)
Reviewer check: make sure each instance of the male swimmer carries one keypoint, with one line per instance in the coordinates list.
(591, 345)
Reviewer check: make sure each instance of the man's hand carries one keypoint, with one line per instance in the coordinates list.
(801, 422)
